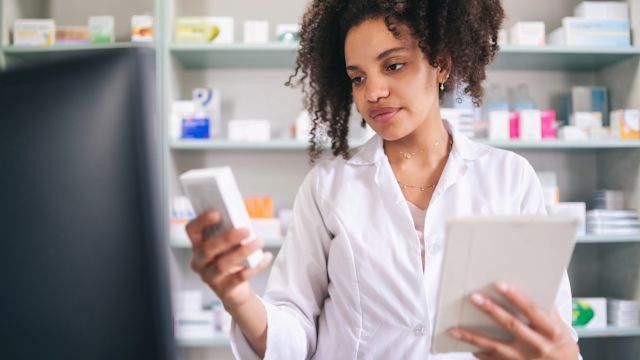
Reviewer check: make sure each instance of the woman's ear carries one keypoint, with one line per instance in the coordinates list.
(444, 68)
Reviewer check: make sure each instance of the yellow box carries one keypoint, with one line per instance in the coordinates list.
(192, 29)
(625, 124)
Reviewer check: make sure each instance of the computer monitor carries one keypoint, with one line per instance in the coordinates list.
(83, 252)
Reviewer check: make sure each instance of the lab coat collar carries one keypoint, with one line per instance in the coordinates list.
(372, 151)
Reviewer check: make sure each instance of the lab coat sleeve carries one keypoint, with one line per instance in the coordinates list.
(533, 204)
(297, 283)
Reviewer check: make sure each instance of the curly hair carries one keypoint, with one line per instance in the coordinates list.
(461, 33)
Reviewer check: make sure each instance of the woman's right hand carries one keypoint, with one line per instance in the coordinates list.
(219, 260)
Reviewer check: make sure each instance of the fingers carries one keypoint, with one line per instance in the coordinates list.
(230, 261)
(538, 320)
(490, 347)
(246, 274)
(195, 228)
(484, 356)
(214, 247)
(508, 321)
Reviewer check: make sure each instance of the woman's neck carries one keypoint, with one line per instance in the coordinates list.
(427, 146)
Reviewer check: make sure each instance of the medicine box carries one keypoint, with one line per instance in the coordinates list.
(589, 32)
(101, 29)
(585, 99)
(256, 32)
(530, 124)
(615, 10)
(196, 29)
(625, 124)
(34, 32)
(142, 28)
(548, 120)
(72, 35)
(528, 33)
(499, 125)
(590, 313)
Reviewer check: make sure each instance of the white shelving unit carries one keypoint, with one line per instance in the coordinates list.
(251, 78)
(609, 332)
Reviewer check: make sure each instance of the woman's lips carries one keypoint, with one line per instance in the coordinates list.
(383, 114)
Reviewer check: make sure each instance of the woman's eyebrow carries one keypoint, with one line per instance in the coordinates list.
(380, 56)
(386, 53)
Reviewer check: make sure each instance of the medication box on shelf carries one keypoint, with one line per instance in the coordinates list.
(34, 32)
(72, 35)
(528, 33)
(590, 313)
(196, 29)
(589, 32)
(625, 124)
(616, 10)
(101, 29)
(142, 28)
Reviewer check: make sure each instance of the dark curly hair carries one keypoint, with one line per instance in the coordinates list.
(461, 33)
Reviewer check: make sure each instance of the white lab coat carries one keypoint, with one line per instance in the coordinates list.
(348, 282)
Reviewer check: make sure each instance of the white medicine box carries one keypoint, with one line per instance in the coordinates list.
(34, 32)
(528, 33)
(605, 10)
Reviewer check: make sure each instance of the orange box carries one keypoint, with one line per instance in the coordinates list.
(259, 207)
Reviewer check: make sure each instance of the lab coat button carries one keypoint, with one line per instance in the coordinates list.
(419, 330)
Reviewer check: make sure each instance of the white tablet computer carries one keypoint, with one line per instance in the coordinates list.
(531, 253)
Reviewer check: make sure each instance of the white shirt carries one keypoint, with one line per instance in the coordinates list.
(348, 281)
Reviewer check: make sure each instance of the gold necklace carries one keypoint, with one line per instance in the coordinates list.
(424, 187)
(408, 155)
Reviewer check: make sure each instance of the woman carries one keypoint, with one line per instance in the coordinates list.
(358, 274)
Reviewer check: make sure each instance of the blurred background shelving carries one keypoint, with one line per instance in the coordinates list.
(251, 79)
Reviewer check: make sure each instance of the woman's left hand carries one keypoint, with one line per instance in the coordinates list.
(544, 337)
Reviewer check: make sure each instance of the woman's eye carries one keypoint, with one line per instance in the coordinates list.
(395, 67)
(356, 80)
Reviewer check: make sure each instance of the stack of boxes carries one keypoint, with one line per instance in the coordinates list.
(623, 313)
(609, 216)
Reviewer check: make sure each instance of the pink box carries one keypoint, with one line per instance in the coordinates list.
(514, 125)
(549, 130)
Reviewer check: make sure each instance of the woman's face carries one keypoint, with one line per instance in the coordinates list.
(394, 87)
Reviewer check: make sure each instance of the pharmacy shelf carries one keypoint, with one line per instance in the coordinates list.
(183, 243)
(236, 55)
(215, 341)
(282, 55)
(31, 53)
(567, 58)
(610, 331)
(507, 144)
(603, 239)
(283, 144)
(562, 144)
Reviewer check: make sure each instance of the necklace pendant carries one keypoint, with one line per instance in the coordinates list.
(407, 156)
(421, 188)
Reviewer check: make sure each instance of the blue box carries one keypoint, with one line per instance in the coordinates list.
(196, 128)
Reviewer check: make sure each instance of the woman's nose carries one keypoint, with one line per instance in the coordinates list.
(375, 89)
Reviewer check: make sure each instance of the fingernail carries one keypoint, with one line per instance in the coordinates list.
(502, 286)
(455, 333)
(477, 299)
